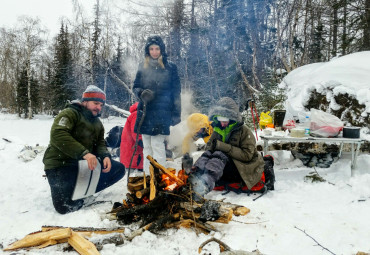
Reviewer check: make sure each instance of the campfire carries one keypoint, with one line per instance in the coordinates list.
(160, 201)
(164, 200)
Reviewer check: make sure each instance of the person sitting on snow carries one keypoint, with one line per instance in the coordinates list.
(231, 155)
(75, 152)
(199, 127)
(128, 139)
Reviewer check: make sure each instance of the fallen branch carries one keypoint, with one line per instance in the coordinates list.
(223, 246)
(7, 140)
(119, 110)
(250, 222)
(314, 240)
(114, 76)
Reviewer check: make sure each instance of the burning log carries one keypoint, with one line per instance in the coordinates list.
(165, 170)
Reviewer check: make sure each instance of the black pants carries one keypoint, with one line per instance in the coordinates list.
(62, 182)
(231, 173)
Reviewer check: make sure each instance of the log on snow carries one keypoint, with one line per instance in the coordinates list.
(238, 210)
(82, 245)
(40, 238)
(87, 231)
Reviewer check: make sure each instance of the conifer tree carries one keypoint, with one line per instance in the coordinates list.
(22, 95)
(118, 94)
(62, 81)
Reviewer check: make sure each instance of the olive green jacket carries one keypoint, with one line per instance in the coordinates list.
(74, 133)
(240, 145)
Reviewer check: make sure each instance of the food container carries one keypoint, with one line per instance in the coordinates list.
(351, 132)
(297, 132)
(268, 131)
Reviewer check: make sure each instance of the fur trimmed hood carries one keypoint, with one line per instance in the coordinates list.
(226, 107)
(157, 40)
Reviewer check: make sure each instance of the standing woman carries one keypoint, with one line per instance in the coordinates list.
(157, 85)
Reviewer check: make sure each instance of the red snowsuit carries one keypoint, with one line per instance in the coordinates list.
(128, 138)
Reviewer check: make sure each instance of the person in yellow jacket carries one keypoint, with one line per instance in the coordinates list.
(199, 127)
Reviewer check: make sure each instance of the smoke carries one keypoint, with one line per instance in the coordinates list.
(187, 107)
(179, 131)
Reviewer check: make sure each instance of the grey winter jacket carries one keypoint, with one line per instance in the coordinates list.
(239, 144)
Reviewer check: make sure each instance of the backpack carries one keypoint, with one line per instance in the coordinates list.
(265, 184)
(113, 140)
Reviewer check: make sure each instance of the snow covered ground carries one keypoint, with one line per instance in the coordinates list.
(335, 214)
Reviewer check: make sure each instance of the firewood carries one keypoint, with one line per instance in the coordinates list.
(144, 177)
(140, 193)
(160, 223)
(130, 198)
(153, 183)
(81, 245)
(241, 211)
(165, 170)
(87, 231)
(134, 179)
(149, 210)
(135, 186)
(225, 214)
(48, 243)
(188, 223)
(238, 210)
(40, 238)
(138, 232)
(117, 239)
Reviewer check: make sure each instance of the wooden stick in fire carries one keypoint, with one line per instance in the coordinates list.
(164, 170)
(153, 189)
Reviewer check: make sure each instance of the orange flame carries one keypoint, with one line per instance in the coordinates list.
(145, 200)
(170, 184)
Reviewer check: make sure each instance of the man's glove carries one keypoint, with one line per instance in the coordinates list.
(147, 95)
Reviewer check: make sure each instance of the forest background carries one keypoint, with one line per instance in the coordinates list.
(236, 48)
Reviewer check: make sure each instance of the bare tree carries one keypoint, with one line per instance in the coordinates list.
(29, 43)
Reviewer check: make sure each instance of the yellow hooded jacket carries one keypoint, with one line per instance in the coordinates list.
(195, 123)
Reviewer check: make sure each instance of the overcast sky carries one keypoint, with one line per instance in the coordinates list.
(49, 11)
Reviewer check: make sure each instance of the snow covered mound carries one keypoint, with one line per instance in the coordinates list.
(341, 87)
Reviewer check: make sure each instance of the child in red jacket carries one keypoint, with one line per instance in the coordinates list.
(128, 138)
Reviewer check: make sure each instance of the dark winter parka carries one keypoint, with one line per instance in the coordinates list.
(165, 109)
(74, 133)
(238, 143)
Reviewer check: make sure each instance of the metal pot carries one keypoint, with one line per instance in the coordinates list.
(351, 132)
